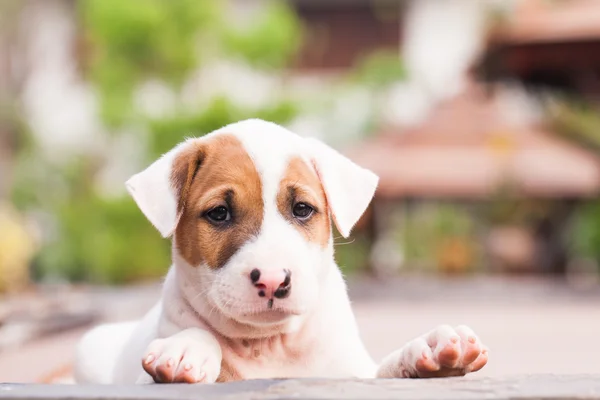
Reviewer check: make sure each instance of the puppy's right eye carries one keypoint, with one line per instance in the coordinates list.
(302, 211)
(218, 214)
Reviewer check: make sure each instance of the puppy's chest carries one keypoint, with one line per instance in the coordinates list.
(267, 358)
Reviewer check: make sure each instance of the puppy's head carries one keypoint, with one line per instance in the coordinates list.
(250, 208)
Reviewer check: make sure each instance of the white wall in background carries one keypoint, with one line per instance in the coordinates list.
(441, 40)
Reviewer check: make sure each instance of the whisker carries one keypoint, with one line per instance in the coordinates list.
(344, 243)
(200, 294)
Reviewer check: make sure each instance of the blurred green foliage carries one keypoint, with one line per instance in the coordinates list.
(507, 207)
(130, 41)
(576, 120)
(167, 132)
(585, 238)
(579, 121)
(111, 245)
(270, 43)
(380, 69)
(352, 254)
(429, 226)
(91, 236)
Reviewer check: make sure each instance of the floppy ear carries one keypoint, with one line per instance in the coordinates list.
(161, 189)
(348, 187)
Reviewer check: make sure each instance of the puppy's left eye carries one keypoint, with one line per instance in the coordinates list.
(218, 214)
(302, 211)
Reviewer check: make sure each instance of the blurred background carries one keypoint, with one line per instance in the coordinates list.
(480, 117)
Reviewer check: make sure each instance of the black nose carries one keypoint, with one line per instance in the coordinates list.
(284, 289)
(270, 285)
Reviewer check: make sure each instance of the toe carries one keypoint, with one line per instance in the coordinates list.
(471, 351)
(480, 362)
(191, 369)
(475, 354)
(446, 344)
(470, 345)
(148, 363)
(151, 357)
(165, 371)
(449, 352)
(425, 363)
(418, 359)
(188, 373)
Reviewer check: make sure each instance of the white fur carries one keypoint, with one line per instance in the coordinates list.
(207, 315)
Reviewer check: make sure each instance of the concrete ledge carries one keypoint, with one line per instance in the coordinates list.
(521, 387)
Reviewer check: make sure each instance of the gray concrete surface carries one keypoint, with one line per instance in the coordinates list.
(534, 326)
(516, 387)
(531, 326)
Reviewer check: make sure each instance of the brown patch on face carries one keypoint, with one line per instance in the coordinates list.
(217, 172)
(301, 185)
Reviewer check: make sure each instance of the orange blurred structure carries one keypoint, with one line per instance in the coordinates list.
(468, 148)
(487, 140)
(547, 43)
(552, 21)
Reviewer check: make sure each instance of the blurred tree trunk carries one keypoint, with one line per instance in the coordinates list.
(552, 249)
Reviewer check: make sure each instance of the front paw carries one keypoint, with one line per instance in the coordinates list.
(181, 359)
(443, 352)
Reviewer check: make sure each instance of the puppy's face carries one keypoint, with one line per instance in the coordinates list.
(249, 207)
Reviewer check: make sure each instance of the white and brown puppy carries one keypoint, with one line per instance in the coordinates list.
(254, 291)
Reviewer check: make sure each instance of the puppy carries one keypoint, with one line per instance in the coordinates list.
(254, 291)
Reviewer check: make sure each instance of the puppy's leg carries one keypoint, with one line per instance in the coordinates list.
(190, 356)
(445, 351)
(98, 351)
